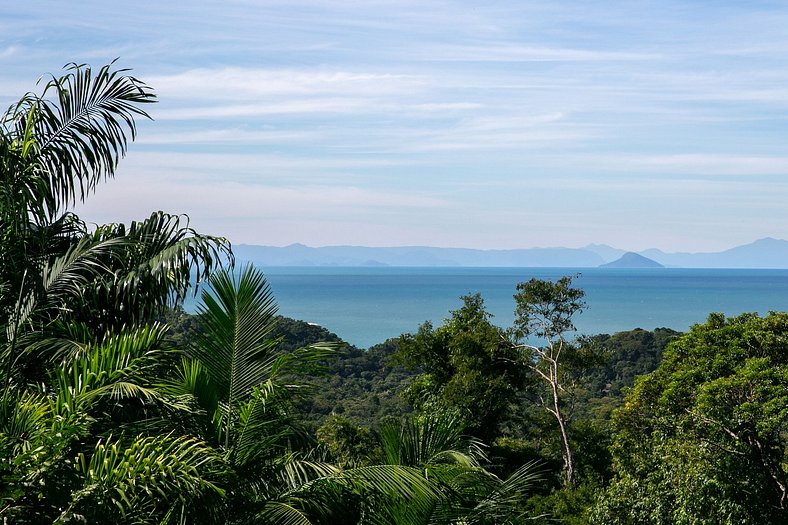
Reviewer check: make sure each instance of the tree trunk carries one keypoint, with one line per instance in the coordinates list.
(566, 450)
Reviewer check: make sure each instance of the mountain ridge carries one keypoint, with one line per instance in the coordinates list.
(767, 252)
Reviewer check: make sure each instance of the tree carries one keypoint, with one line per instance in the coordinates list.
(79, 362)
(84, 445)
(55, 148)
(436, 445)
(349, 444)
(102, 420)
(703, 438)
(544, 311)
(467, 364)
(425, 470)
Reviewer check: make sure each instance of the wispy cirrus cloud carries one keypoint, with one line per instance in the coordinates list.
(235, 83)
(513, 52)
(531, 121)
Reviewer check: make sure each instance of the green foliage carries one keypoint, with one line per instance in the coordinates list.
(57, 435)
(233, 341)
(349, 444)
(103, 419)
(545, 310)
(703, 438)
(464, 492)
(430, 439)
(365, 386)
(128, 482)
(238, 384)
(355, 376)
(626, 355)
(566, 505)
(467, 364)
(78, 363)
(55, 148)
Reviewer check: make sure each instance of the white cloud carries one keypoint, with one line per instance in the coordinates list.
(311, 106)
(706, 164)
(8, 51)
(229, 136)
(379, 106)
(513, 52)
(212, 204)
(234, 83)
(247, 166)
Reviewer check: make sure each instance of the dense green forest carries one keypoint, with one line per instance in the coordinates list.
(118, 407)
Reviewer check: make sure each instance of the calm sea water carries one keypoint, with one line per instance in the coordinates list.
(365, 306)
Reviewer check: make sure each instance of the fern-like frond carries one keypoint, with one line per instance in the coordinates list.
(82, 124)
(142, 479)
(237, 318)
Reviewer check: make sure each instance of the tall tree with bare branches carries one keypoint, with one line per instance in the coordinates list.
(543, 318)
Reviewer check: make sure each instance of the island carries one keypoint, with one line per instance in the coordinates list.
(632, 260)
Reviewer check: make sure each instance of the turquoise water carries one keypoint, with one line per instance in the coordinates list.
(365, 306)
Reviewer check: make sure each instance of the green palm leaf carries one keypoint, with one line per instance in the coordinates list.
(238, 354)
(119, 367)
(143, 479)
(237, 317)
(282, 513)
(431, 439)
(153, 264)
(23, 420)
(81, 125)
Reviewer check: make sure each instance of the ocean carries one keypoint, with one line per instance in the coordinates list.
(365, 306)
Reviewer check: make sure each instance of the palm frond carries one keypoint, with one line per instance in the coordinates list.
(502, 500)
(263, 426)
(430, 440)
(308, 360)
(153, 264)
(143, 478)
(300, 473)
(237, 317)
(81, 123)
(282, 513)
(190, 380)
(119, 367)
(67, 277)
(166, 247)
(23, 418)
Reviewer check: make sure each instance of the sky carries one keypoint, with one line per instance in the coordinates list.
(503, 124)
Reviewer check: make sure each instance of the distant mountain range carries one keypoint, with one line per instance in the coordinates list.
(763, 253)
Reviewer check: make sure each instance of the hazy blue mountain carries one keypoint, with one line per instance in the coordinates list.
(300, 255)
(608, 253)
(632, 260)
(763, 253)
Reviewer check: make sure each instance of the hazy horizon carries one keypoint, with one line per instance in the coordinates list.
(660, 124)
(622, 248)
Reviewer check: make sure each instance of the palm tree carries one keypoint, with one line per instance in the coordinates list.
(240, 387)
(436, 445)
(101, 421)
(427, 472)
(55, 148)
(73, 450)
(78, 363)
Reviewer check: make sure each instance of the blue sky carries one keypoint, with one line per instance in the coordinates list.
(447, 123)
